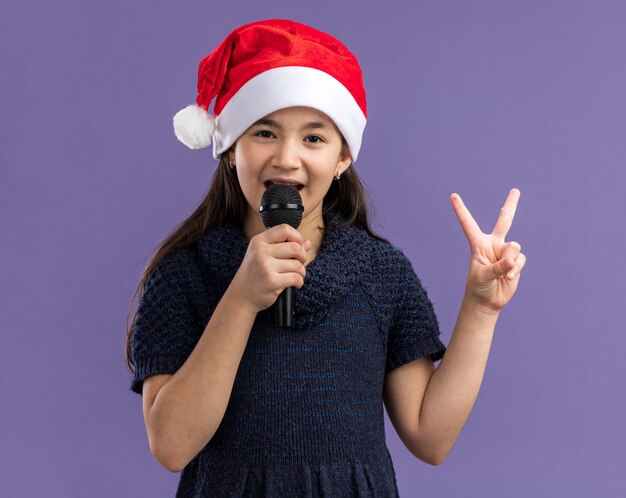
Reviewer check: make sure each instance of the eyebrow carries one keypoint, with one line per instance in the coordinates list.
(313, 125)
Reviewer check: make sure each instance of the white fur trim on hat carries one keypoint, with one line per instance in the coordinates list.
(194, 126)
(289, 86)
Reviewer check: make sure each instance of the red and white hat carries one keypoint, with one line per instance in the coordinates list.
(269, 65)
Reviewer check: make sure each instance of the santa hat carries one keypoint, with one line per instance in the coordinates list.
(268, 65)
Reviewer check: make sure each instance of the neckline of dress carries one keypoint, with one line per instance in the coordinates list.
(331, 274)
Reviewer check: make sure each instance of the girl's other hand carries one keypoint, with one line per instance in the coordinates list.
(495, 265)
(274, 260)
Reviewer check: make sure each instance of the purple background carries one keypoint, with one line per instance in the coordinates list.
(468, 97)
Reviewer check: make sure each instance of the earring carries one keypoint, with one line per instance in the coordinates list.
(231, 165)
(339, 174)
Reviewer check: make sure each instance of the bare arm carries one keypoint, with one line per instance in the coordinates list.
(454, 385)
(493, 276)
(190, 406)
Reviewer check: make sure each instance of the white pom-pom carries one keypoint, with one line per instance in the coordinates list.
(194, 126)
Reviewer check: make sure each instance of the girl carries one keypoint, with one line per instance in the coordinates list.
(243, 407)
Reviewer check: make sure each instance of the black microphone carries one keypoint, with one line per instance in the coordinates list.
(282, 203)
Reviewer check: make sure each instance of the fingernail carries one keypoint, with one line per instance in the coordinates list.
(512, 274)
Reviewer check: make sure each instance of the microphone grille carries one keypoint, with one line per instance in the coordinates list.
(281, 203)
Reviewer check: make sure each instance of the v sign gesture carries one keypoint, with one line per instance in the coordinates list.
(452, 388)
(495, 265)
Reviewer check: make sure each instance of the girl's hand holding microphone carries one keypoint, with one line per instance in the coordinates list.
(274, 260)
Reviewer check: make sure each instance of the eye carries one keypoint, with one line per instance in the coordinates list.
(319, 139)
(263, 131)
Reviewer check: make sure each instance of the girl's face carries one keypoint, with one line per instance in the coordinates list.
(293, 145)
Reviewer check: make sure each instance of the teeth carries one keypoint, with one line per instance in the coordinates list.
(297, 186)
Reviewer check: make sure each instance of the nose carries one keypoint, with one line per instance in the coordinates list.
(287, 154)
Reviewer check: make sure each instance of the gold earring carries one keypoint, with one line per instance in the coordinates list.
(339, 174)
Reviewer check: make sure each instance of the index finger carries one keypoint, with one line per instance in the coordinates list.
(507, 214)
(283, 233)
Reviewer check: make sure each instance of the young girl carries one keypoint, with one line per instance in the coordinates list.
(246, 408)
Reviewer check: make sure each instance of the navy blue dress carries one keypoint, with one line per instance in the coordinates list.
(305, 417)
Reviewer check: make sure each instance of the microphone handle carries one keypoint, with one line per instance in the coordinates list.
(283, 308)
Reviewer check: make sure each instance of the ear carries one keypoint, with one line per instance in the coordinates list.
(345, 159)
(230, 154)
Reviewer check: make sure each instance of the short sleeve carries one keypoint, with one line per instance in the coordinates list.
(414, 329)
(166, 328)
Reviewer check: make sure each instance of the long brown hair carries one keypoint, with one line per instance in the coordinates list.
(225, 202)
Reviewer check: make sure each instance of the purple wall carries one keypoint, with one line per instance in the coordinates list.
(469, 97)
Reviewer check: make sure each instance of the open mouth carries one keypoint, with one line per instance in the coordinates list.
(269, 183)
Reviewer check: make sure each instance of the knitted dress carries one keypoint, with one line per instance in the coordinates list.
(305, 416)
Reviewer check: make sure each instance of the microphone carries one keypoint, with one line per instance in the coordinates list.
(282, 203)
